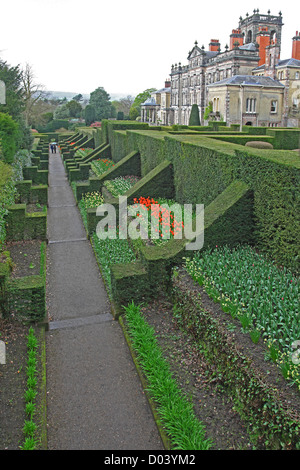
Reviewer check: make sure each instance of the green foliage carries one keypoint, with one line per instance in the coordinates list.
(8, 137)
(89, 114)
(272, 423)
(254, 290)
(110, 252)
(22, 160)
(194, 116)
(139, 100)
(133, 113)
(100, 101)
(7, 196)
(15, 103)
(74, 108)
(288, 139)
(62, 112)
(175, 410)
(258, 144)
(208, 111)
(30, 427)
(12, 77)
(119, 186)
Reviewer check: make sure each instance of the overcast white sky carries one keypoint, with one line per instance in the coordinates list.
(123, 46)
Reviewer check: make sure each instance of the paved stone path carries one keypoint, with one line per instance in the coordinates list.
(94, 396)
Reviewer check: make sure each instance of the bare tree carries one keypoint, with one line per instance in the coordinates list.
(32, 92)
(125, 104)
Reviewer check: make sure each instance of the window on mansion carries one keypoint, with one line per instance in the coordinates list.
(250, 105)
(273, 106)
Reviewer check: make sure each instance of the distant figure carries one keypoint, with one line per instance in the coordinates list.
(52, 148)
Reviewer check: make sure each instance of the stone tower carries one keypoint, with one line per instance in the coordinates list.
(252, 27)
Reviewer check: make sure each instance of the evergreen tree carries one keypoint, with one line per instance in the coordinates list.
(89, 114)
(194, 116)
(100, 100)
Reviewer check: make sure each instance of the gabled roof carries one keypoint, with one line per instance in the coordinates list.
(197, 51)
(288, 63)
(249, 80)
(282, 63)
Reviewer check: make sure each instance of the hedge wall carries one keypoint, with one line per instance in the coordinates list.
(24, 297)
(21, 225)
(204, 167)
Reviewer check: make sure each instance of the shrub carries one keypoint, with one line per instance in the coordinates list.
(194, 116)
(7, 196)
(8, 137)
(258, 144)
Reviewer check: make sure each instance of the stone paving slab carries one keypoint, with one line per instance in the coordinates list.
(57, 179)
(60, 196)
(95, 398)
(75, 285)
(64, 223)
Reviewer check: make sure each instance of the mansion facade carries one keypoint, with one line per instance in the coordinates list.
(247, 84)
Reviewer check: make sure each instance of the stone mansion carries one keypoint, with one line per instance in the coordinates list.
(247, 84)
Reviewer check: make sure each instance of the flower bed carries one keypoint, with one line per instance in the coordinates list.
(119, 186)
(88, 201)
(262, 296)
(111, 251)
(100, 166)
(83, 152)
(166, 224)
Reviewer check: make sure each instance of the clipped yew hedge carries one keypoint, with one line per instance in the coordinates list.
(204, 167)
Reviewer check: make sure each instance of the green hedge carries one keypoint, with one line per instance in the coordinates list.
(35, 175)
(25, 298)
(288, 139)
(32, 194)
(203, 168)
(25, 226)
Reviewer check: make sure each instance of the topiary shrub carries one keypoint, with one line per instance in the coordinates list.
(194, 116)
(258, 144)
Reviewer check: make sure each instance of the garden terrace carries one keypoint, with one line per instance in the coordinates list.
(251, 198)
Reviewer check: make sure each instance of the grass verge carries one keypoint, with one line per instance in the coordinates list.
(175, 411)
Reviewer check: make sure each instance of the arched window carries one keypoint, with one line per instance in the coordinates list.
(249, 36)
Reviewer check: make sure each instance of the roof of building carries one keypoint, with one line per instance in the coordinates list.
(249, 47)
(288, 63)
(149, 102)
(163, 90)
(249, 80)
(282, 63)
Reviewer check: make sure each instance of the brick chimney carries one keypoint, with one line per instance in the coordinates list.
(236, 36)
(214, 45)
(296, 46)
(167, 83)
(263, 41)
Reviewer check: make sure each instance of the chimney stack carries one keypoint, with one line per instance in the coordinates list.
(236, 36)
(296, 46)
(263, 41)
(214, 45)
